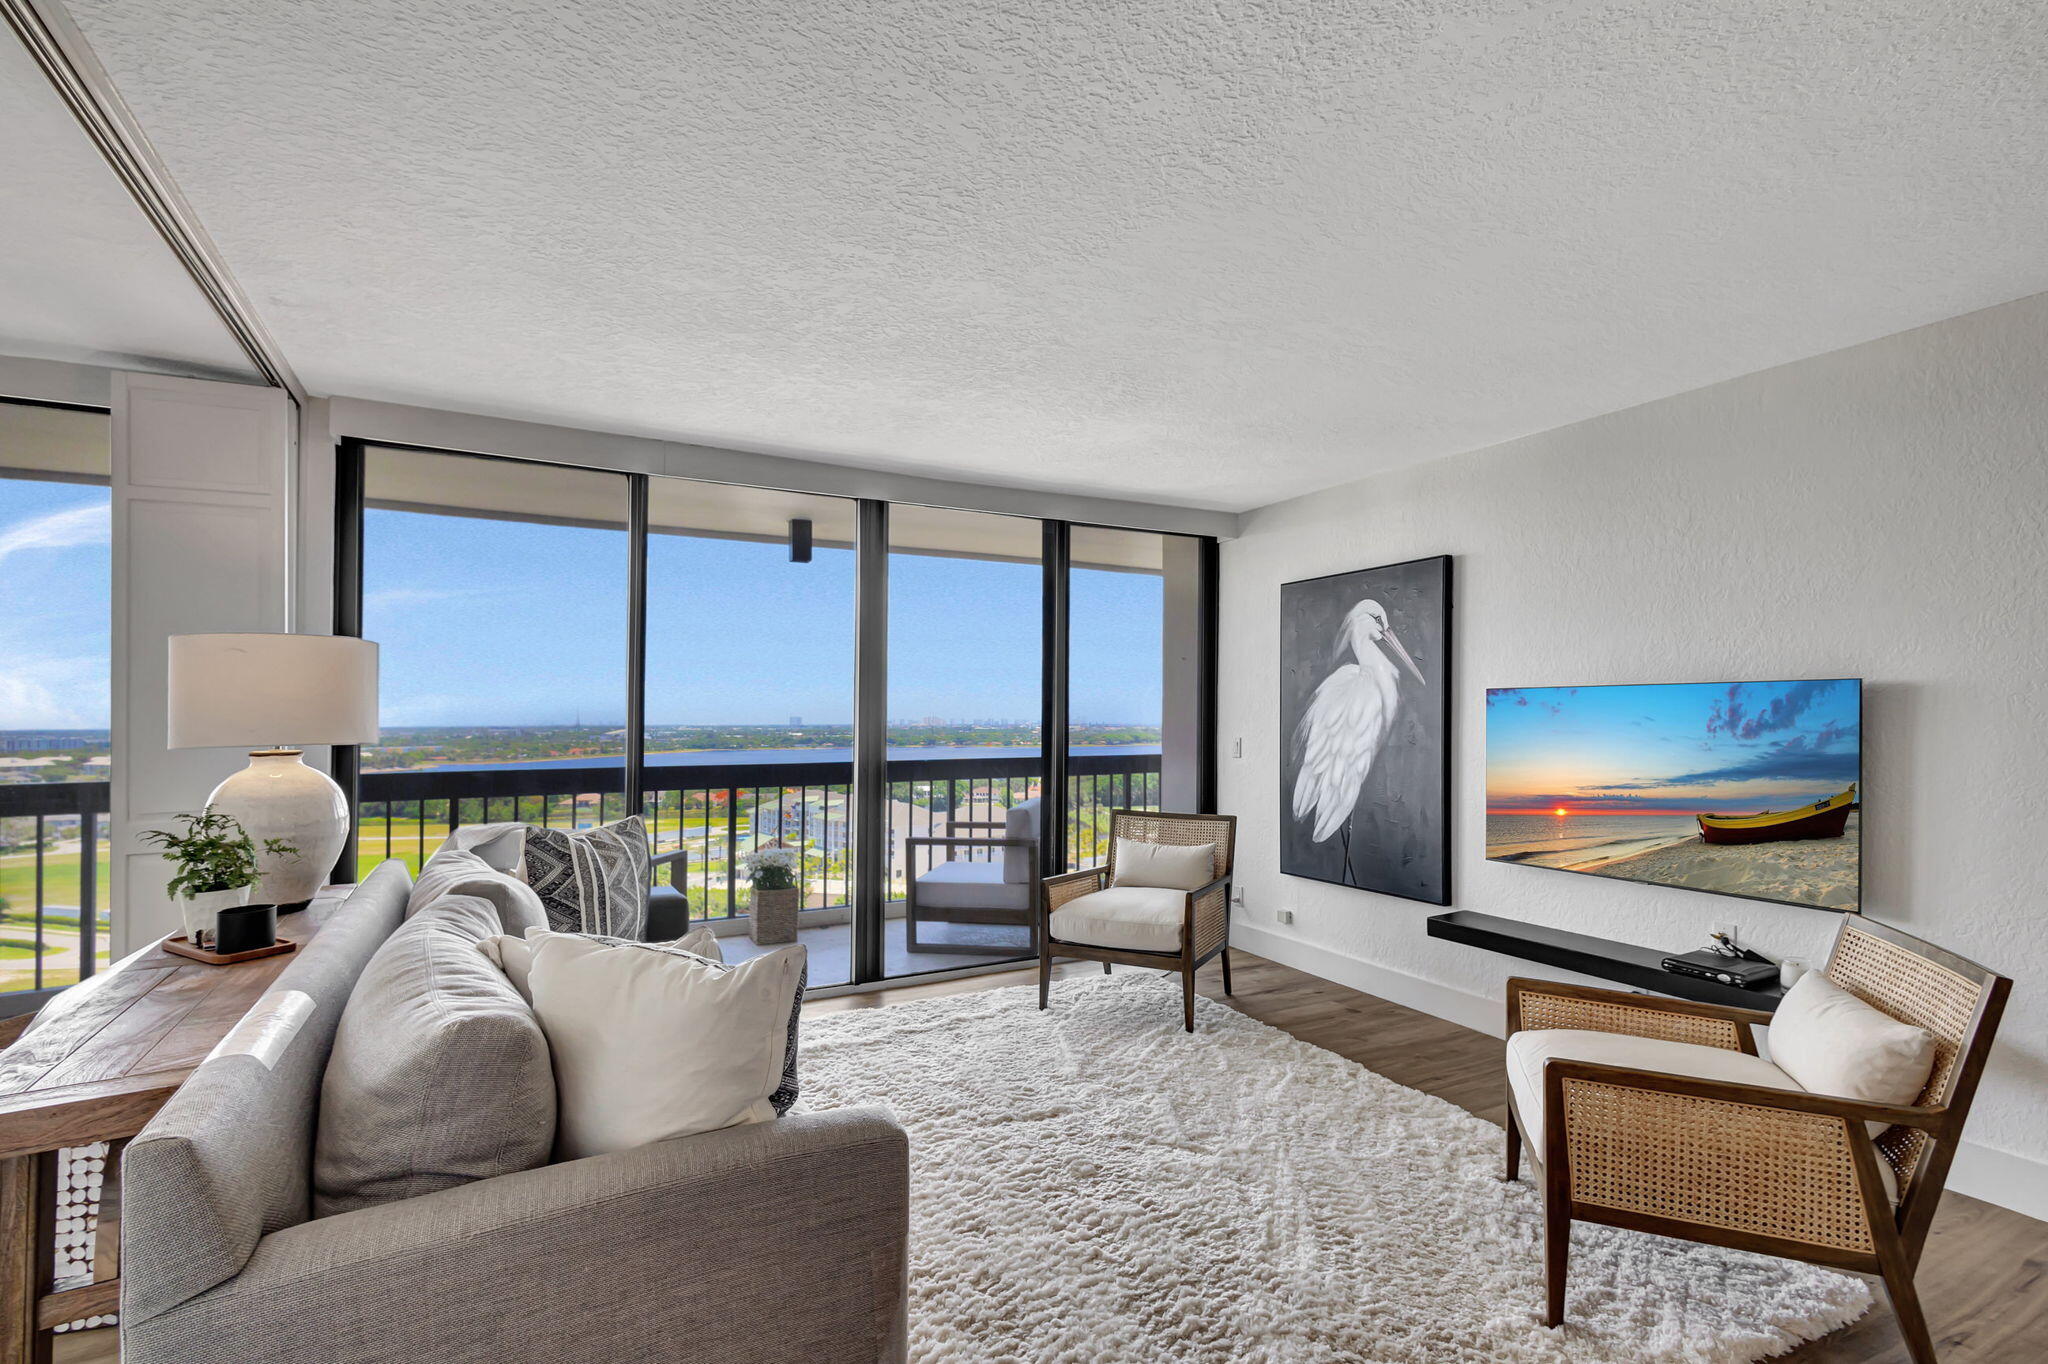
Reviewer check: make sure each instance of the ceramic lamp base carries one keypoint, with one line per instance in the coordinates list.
(278, 796)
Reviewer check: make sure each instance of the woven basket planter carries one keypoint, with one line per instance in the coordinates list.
(774, 915)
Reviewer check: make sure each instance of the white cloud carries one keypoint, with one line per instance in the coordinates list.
(45, 692)
(393, 598)
(91, 524)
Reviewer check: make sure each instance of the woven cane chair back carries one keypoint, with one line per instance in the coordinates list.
(1179, 830)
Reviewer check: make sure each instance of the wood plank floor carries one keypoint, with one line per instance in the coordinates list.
(1983, 1281)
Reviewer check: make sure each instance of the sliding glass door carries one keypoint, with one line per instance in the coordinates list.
(498, 592)
(966, 757)
(1116, 673)
(749, 710)
(56, 592)
(922, 711)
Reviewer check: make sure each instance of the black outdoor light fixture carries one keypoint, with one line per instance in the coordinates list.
(800, 540)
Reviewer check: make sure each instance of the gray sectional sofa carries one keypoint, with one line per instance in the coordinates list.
(774, 1242)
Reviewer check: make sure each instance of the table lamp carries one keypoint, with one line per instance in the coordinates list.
(269, 693)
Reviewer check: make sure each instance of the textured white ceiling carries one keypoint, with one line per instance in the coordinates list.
(1213, 255)
(83, 276)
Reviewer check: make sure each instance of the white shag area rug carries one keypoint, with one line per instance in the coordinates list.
(1093, 1184)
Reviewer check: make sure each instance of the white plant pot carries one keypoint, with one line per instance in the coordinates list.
(278, 796)
(202, 912)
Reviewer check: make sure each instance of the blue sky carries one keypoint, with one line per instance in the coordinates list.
(510, 623)
(1676, 748)
(513, 623)
(55, 585)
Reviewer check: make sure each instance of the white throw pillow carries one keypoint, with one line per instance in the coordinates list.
(1833, 1043)
(1166, 866)
(514, 956)
(502, 845)
(651, 1043)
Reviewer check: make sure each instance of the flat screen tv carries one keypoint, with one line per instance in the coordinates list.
(1738, 788)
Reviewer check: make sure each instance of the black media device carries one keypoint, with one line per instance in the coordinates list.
(1747, 975)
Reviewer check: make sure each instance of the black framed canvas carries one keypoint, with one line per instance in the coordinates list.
(1365, 729)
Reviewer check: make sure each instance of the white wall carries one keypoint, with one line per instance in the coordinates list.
(1878, 512)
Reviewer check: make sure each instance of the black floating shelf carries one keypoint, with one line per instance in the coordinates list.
(1626, 963)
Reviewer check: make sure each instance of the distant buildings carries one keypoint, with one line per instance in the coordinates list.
(31, 741)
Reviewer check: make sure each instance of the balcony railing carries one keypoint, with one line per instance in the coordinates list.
(53, 863)
(54, 858)
(717, 813)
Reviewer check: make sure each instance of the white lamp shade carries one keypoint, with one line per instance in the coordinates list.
(247, 691)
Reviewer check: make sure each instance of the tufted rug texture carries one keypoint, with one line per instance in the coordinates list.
(1093, 1184)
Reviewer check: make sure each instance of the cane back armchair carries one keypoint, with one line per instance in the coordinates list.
(1199, 930)
(1783, 1172)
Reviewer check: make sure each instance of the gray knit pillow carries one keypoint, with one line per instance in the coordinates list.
(592, 880)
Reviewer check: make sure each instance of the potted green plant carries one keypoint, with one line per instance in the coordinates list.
(215, 862)
(773, 911)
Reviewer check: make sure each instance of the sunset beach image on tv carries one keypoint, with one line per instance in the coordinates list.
(1741, 788)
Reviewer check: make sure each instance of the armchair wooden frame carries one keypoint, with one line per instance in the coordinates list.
(1780, 1172)
(1205, 921)
(1025, 916)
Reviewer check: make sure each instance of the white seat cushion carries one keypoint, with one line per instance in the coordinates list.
(1132, 918)
(1528, 1052)
(971, 885)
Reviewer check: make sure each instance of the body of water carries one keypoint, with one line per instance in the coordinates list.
(723, 756)
(1579, 840)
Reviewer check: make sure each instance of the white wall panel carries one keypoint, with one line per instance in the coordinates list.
(202, 537)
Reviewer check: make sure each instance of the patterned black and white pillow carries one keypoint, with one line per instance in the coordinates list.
(592, 880)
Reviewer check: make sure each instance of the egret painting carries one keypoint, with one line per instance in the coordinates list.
(1365, 720)
(1741, 788)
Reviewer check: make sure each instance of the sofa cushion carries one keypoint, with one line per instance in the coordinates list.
(1172, 866)
(455, 870)
(1529, 1051)
(971, 885)
(1833, 1043)
(1132, 918)
(651, 1042)
(592, 880)
(439, 1075)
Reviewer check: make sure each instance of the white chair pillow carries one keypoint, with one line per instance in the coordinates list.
(651, 1043)
(1833, 1043)
(514, 955)
(1164, 866)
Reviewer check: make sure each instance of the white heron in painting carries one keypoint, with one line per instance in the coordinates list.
(1347, 723)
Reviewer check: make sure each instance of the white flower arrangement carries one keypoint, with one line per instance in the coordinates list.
(772, 868)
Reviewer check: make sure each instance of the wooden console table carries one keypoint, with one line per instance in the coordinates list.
(105, 1055)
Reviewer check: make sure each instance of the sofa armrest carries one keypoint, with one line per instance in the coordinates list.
(771, 1241)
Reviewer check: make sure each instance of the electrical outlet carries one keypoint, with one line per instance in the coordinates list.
(1286, 916)
(1732, 932)
(1237, 896)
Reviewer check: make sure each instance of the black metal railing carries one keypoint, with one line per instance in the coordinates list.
(717, 813)
(53, 926)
